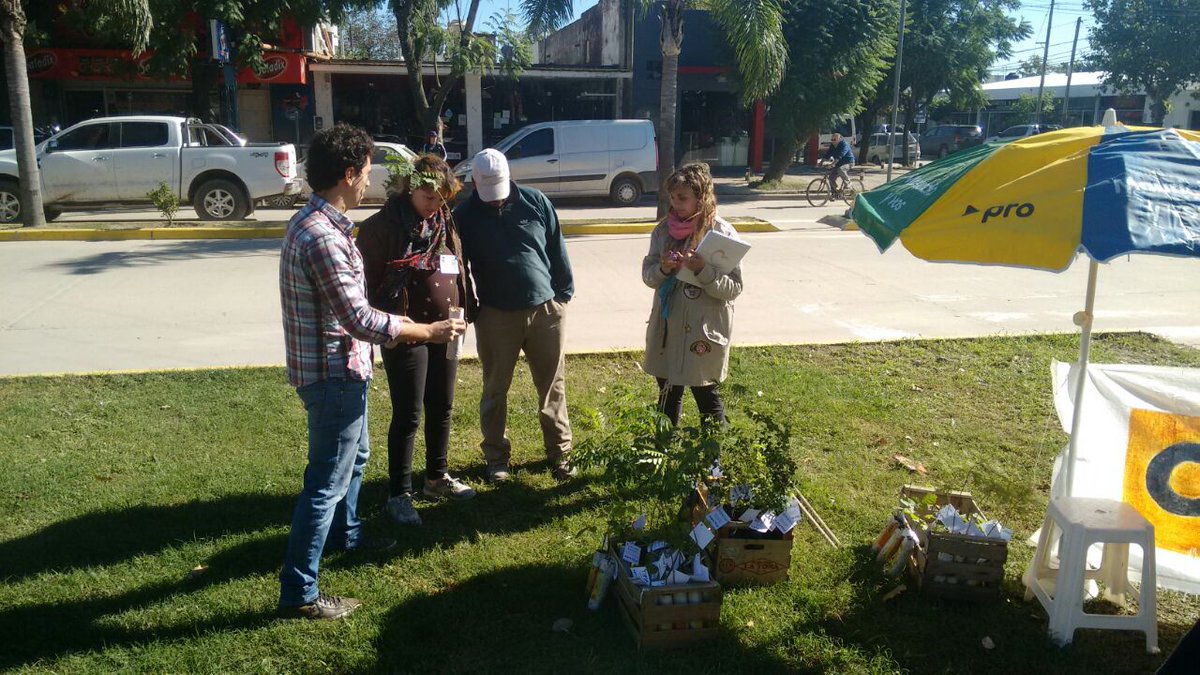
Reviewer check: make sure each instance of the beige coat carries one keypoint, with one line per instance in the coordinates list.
(691, 347)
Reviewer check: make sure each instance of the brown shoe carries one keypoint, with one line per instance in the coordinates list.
(324, 607)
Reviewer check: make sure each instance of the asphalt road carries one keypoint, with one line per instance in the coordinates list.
(139, 305)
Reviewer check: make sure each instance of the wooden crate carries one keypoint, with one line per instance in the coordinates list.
(655, 625)
(743, 559)
(954, 565)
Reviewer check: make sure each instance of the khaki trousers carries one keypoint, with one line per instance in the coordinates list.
(501, 336)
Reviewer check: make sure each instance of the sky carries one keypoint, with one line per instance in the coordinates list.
(1036, 12)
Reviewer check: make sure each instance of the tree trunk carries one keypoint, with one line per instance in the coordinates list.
(782, 159)
(671, 40)
(403, 11)
(1158, 108)
(12, 28)
(456, 73)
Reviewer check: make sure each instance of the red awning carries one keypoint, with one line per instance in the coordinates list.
(117, 64)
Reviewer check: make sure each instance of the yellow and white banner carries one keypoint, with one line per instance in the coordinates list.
(1140, 443)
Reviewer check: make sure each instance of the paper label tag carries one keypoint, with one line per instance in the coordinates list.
(701, 535)
(448, 264)
(748, 515)
(678, 577)
(631, 553)
(699, 570)
(640, 576)
(639, 523)
(656, 545)
(763, 522)
(718, 518)
(785, 521)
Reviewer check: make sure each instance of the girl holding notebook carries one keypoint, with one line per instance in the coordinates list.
(691, 320)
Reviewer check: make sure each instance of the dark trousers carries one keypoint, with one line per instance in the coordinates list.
(708, 400)
(418, 374)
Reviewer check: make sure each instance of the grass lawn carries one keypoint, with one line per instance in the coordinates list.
(116, 487)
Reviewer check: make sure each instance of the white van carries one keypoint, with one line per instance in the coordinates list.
(582, 158)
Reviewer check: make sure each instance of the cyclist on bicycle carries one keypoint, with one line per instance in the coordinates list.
(842, 156)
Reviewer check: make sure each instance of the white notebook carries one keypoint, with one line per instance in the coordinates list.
(719, 250)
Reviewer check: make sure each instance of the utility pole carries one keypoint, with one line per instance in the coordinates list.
(896, 96)
(1037, 116)
(1070, 68)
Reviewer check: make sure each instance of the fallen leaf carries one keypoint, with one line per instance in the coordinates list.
(879, 442)
(895, 592)
(104, 478)
(913, 467)
(916, 388)
(562, 626)
(750, 623)
(197, 571)
(987, 643)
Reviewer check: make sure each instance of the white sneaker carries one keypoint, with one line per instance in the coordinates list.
(448, 487)
(400, 510)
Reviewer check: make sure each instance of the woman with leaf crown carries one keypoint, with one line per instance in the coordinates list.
(412, 261)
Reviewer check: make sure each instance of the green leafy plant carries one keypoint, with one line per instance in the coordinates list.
(645, 460)
(166, 201)
(400, 170)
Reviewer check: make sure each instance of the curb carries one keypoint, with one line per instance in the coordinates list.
(276, 232)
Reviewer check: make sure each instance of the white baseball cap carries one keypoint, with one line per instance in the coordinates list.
(489, 172)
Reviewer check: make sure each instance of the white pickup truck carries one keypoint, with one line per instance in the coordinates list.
(118, 160)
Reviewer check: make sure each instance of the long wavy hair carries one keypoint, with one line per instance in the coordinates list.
(697, 178)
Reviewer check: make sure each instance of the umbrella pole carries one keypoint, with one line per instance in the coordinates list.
(1084, 321)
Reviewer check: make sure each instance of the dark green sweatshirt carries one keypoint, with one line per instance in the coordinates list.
(516, 253)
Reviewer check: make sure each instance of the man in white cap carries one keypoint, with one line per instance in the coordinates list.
(518, 258)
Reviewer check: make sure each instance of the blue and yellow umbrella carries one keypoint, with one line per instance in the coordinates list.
(1105, 191)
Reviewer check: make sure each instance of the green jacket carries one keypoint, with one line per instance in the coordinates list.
(516, 254)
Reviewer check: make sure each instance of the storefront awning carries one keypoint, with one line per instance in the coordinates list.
(118, 65)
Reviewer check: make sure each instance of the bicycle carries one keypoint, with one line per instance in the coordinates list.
(819, 192)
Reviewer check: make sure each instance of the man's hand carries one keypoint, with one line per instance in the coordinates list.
(445, 331)
(440, 332)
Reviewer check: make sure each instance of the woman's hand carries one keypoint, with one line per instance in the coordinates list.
(670, 263)
(693, 261)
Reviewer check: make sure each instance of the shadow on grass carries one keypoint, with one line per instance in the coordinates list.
(503, 622)
(108, 538)
(925, 634)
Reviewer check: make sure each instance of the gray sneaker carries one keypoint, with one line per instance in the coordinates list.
(324, 607)
(448, 487)
(400, 510)
(497, 472)
(562, 471)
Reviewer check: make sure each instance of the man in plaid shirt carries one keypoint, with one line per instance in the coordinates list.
(329, 328)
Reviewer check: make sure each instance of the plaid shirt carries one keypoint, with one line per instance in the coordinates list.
(328, 326)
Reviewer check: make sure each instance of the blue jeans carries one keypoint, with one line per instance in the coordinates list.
(328, 506)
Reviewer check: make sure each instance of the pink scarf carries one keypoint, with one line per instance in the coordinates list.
(681, 229)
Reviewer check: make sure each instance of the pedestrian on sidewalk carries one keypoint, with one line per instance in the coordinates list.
(412, 259)
(517, 255)
(433, 145)
(688, 334)
(328, 329)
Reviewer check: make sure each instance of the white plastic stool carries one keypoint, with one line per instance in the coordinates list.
(1083, 522)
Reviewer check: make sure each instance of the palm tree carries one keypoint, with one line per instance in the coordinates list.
(135, 14)
(754, 30)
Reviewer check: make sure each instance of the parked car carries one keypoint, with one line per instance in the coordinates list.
(118, 160)
(877, 150)
(377, 192)
(582, 158)
(8, 140)
(1023, 131)
(947, 138)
